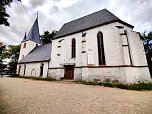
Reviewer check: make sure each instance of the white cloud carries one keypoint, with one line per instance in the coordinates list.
(22, 15)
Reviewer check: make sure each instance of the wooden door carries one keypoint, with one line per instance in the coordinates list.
(69, 72)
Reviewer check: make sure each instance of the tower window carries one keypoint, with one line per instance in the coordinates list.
(24, 45)
(101, 54)
(73, 48)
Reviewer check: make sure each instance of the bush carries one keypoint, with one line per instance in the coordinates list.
(14, 75)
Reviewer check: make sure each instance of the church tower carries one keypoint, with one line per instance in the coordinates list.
(30, 41)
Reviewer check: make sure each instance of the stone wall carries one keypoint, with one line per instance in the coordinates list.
(104, 74)
(33, 69)
(58, 73)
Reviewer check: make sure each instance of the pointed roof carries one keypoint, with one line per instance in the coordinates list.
(90, 21)
(33, 35)
(24, 36)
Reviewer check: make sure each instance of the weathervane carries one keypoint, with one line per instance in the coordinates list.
(37, 14)
(54, 1)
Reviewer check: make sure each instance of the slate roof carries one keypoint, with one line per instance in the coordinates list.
(87, 22)
(33, 34)
(40, 53)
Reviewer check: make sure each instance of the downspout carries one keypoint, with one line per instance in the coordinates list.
(129, 48)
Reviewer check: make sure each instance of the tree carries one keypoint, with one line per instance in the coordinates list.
(3, 14)
(147, 39)
(47, 36)
(12, 53)
(2, 48)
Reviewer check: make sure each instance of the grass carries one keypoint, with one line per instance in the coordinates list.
(140, 86)
(35, 78)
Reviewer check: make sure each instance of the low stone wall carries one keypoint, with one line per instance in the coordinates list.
(104, 74)
(58, 73)
(135, 74)
(108, 74)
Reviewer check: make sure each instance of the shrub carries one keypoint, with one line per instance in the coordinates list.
(15, 75)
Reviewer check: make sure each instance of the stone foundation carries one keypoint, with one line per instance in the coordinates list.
(106, 74)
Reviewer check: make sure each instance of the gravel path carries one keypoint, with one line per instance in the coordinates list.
(24, 96)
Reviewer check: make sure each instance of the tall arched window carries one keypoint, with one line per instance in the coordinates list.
(41, 69)
(101, 54)
(24, 69)
(19, 69)
(73, 48)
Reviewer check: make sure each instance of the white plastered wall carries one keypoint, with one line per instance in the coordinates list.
(115, 55)
(30, 45)
(33, 69)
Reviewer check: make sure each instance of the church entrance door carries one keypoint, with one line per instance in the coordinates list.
(69, 72)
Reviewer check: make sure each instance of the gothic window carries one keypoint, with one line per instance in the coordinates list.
(41, 69)
(73, 48)
(24, 69)
(101, 54)
(24, 45)
(19, 69)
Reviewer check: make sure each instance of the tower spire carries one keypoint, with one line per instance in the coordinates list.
(33, 34)
(37, 14)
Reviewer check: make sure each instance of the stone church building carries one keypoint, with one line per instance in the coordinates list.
(98, 46)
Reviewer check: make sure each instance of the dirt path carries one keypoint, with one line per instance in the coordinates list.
(24, 96)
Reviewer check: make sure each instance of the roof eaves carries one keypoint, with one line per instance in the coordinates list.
(20, 62)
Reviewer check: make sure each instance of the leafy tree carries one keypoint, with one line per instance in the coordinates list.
(12, 53)
(3, 14)
(147, 41)
(2, 48)
(47, 36)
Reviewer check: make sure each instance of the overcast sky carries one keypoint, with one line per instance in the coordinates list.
(52, 15)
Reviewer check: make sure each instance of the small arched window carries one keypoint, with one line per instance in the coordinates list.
(101, 54)
(24, 45)
(73, 48)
